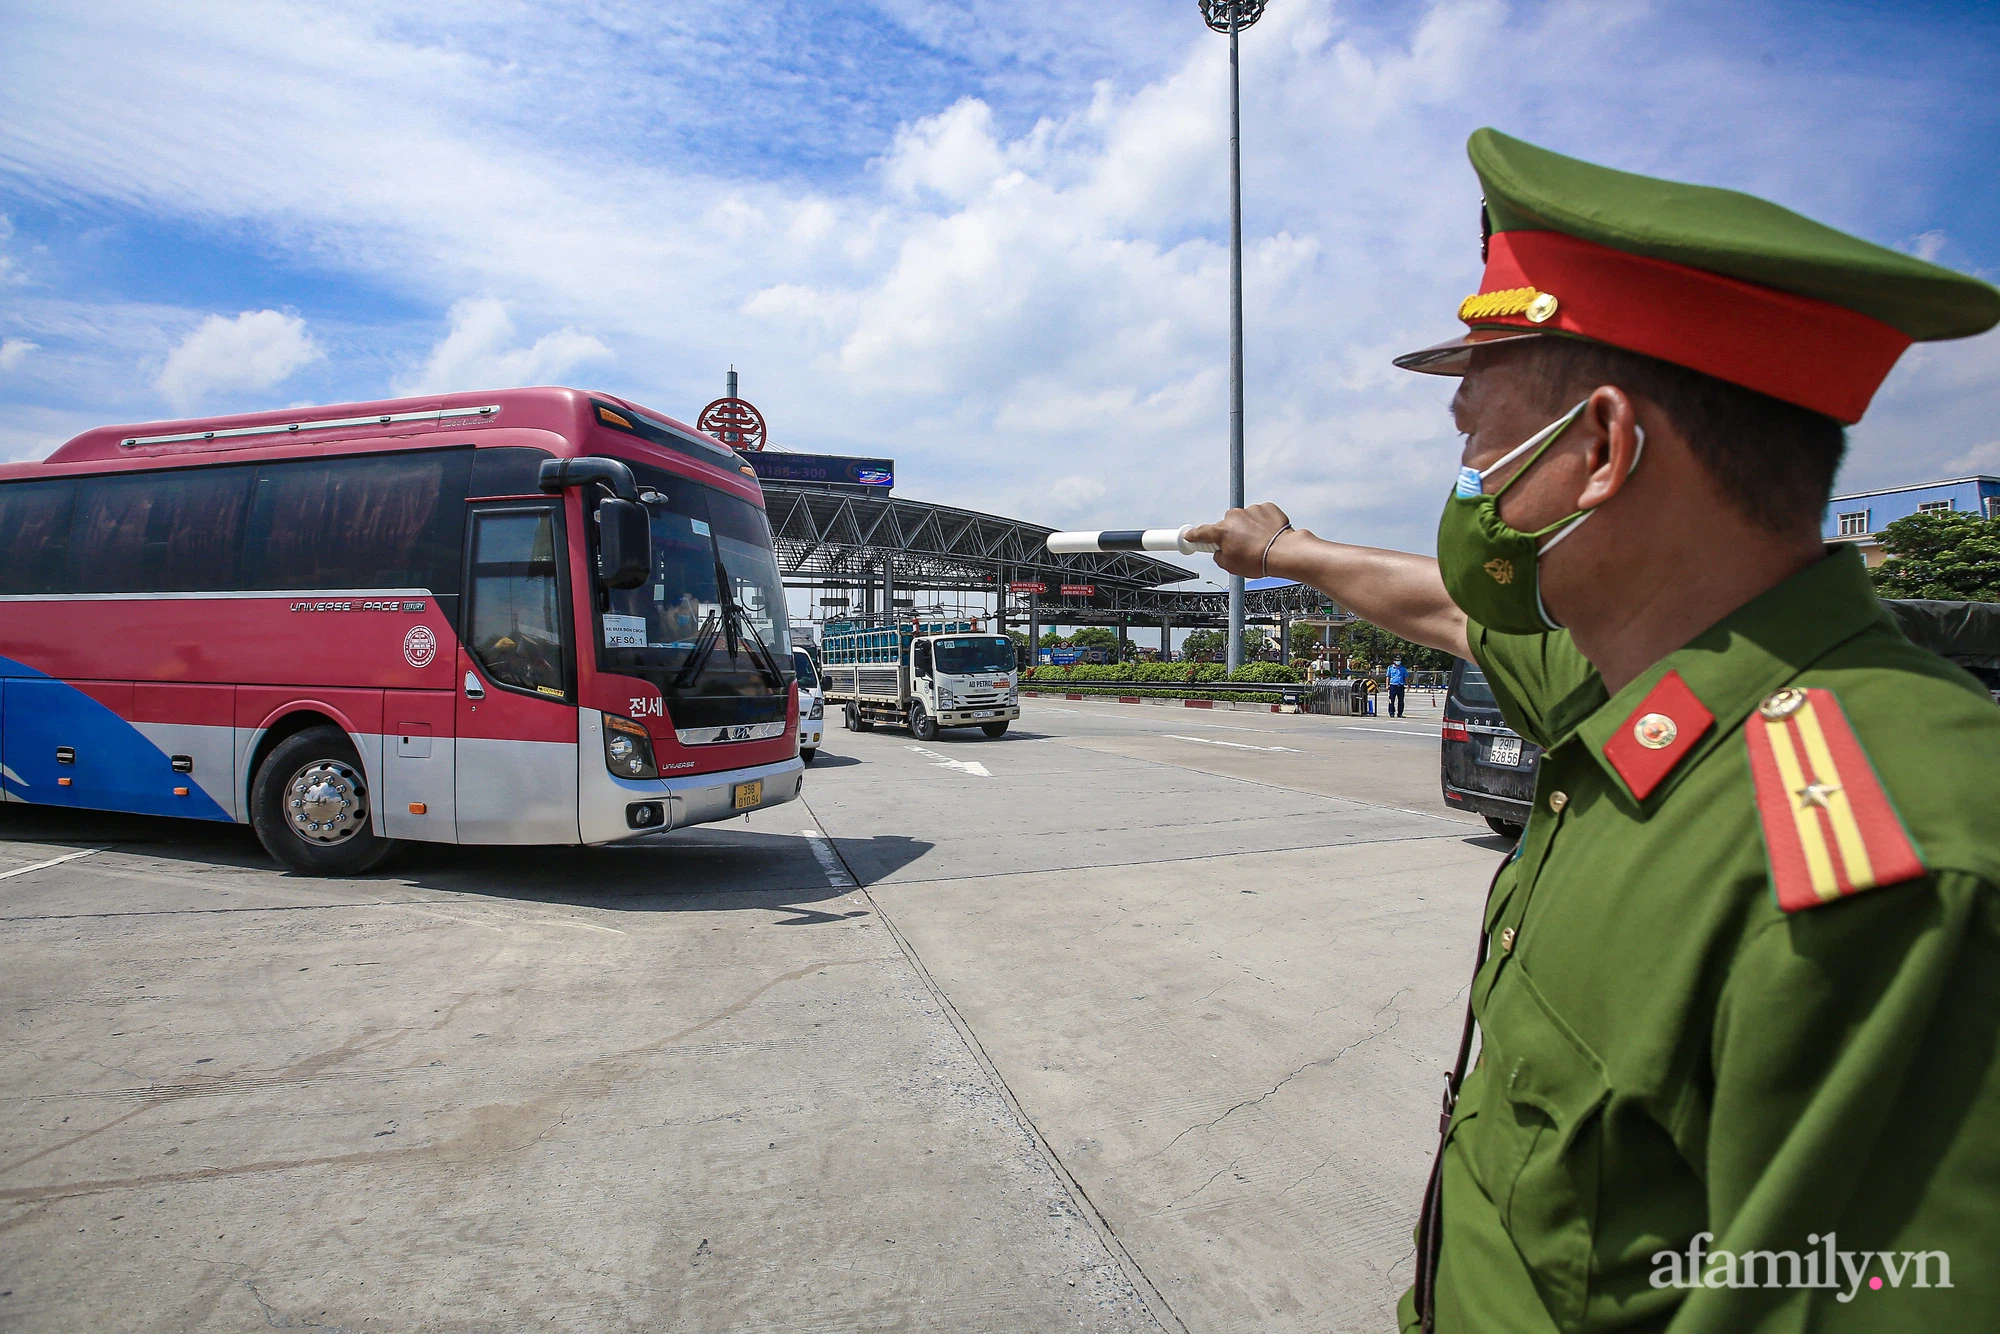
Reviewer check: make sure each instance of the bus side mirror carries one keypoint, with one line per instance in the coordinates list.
(624, 543)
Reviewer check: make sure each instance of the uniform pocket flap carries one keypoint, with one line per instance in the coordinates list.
(1543, 1062)
(1539, 1149)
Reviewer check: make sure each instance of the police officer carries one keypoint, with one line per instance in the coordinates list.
(1739, 1008)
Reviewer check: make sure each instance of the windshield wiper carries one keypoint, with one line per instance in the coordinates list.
(769, 665)
(704, 644)
(733, 615)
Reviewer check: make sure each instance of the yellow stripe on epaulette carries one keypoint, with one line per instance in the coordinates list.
(1493, 305)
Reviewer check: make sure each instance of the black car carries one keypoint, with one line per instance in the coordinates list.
(1488, 768)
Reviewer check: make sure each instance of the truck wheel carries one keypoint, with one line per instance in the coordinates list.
(1507, 829)
(994, 729)
(847, 718)
(922, 726)
(862, 722)
(311, 806)
(809, 754)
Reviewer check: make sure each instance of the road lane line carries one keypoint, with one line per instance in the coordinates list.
(836, 875)
(1233, 745)
(53, 861)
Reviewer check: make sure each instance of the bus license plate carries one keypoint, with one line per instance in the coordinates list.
(1506, 750)
(749, 794)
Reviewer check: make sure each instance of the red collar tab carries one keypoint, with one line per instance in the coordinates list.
(1812, 353)
(1665, 726)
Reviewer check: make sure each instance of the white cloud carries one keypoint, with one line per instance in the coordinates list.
(14, 351)
(256, 350)
(477, 354)
(1015, 290)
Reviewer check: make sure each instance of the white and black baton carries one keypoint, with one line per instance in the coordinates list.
(1129, 539)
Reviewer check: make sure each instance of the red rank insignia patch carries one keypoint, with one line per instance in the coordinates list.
(1664, 727)
(1829, 827)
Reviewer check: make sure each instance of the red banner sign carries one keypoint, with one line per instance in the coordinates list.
(1027, 588)
(1079, 590)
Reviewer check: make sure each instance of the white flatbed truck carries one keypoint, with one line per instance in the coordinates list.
(923, 676)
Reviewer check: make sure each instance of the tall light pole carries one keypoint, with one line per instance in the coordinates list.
(1232, 17)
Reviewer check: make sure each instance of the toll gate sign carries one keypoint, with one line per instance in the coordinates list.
(1079, 590)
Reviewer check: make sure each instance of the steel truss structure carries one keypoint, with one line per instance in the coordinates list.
(836, 538)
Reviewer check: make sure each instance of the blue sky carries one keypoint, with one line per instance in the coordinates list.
(984, 238)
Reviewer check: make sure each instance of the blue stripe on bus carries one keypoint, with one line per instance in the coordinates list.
(116, 768)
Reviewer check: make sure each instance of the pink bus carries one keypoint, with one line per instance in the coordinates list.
(525, 616)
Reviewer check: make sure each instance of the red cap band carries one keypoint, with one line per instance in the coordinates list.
(1812, 353)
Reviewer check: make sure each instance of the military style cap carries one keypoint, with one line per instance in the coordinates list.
(1720, 282)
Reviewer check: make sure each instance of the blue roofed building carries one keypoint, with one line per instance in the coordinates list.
(1861, 516)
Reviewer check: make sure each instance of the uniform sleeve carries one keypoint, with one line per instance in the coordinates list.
(1529, 674)
(1856, 1095)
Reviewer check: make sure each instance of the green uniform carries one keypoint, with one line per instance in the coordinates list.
(1668, 1051)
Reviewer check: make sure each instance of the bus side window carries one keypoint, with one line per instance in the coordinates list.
(34, 535)
(159, 532)
(365, 522)
(516, 618)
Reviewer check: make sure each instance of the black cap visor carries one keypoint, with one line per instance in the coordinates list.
(1452, 357)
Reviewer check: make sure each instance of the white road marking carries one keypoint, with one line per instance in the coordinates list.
(1233, 745)
(836, 876)
(53, 861)
(973, 767)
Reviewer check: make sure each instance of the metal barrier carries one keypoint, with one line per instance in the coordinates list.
(1343, 695)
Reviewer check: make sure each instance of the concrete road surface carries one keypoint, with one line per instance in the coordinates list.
(1133, 1019)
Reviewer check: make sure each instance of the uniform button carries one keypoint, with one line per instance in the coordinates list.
(1558, 800)
(1507, 940)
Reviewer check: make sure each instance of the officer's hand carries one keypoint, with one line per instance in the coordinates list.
(1243, 535)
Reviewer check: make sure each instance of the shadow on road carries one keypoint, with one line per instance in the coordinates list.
(706, 868)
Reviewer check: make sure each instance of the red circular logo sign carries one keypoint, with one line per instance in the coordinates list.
(735, 422)
(420, 646)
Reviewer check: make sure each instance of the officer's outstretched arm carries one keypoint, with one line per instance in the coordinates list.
(1400, 592)
(1856, 1095)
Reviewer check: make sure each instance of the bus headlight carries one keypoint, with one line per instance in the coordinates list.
(628, 751)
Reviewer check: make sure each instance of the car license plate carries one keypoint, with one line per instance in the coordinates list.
(749, 794)
(1506, 750)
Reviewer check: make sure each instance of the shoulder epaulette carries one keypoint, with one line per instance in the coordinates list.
(1829, 828)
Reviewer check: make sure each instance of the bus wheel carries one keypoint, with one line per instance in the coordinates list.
(311, 806)
(922, 726)
(994, 729)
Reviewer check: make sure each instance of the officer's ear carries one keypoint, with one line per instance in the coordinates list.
(1612, 442)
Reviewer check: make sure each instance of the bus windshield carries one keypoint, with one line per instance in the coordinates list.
(712, 619)
(969, 657)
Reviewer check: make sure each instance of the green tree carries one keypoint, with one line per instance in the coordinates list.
(1378, 648)
(1941, 554)
(1050, 639)
(1202, 645)
(1095, 636)
(1305, 641)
